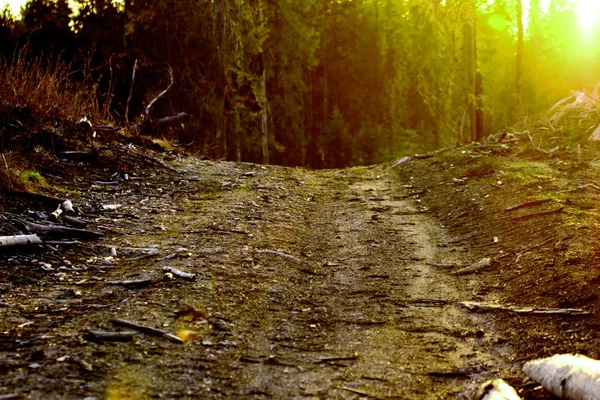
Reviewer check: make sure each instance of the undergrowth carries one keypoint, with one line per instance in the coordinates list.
(40, 109)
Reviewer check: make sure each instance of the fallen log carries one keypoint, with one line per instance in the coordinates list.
(61, 231)
(20, 240)
(148, 330)
(568, 376)
(483, 307)
(497, 389)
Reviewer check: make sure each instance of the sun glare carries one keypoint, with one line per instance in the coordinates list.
(589, 12)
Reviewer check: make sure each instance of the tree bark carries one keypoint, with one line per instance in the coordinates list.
(519, 69)
(220, 150)
(470, 60)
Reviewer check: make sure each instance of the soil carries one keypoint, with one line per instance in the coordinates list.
(334, 284)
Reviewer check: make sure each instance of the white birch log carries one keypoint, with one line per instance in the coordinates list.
(568, 376)
(21, 240)
(497, 389)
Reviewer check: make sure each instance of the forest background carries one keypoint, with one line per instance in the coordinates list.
(316, 83)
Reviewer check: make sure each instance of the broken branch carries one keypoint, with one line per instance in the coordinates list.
(148, 330)
(21, 240)
(483, 307)
(180, 274)
(532, 203)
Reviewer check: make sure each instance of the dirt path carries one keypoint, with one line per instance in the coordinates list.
(309, 285)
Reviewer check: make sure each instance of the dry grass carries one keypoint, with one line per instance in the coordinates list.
(45, 88)
(39, 110)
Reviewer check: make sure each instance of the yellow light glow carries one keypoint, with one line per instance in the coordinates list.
(589, 12)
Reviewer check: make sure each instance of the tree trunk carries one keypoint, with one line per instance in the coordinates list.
(470, 60)
(220, 150)
(519, 74)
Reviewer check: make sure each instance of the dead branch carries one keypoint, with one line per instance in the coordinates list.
(63, 231)
(21, 240)
(148, 330)
(135, 67)
(172, 81)
(103, 336)
(133, 283)
(568, 376)
(534, 146)
(483, 307)
(281, 254)
(483, 263)
(532, 203)
(67, 207)
(180, 274)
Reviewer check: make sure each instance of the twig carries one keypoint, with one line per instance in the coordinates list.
(148, 330)
(281, 254)
(534, 146)
(482, 307)
(135, 67)
(363, 392)
(147, 112)
(135, 283)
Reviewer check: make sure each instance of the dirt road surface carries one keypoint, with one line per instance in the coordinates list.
(309, 285)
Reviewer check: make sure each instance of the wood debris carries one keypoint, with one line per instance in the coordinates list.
(486, 307)
(180, 274)
(497, 389)
(105, 336)
(148, 330)
(532, 203)
(20, 240)
(567, 376)
(481, 264)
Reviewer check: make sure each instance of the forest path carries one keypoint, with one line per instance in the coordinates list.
(309, 284)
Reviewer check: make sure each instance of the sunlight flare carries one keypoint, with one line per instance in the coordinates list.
(588, 12)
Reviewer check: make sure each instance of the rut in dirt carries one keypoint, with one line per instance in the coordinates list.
(352, 307)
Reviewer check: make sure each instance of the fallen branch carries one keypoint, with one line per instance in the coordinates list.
(528, 204)
(148, 330)
(172, 81)
(483, 263)
(103, 336)
(135, 67)
(21, 240)
(180, 274)
(55, 230)
(534, 146)
(134, 283)
(483, 307)
(539, 214)
(363, 393)
(571, 377)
